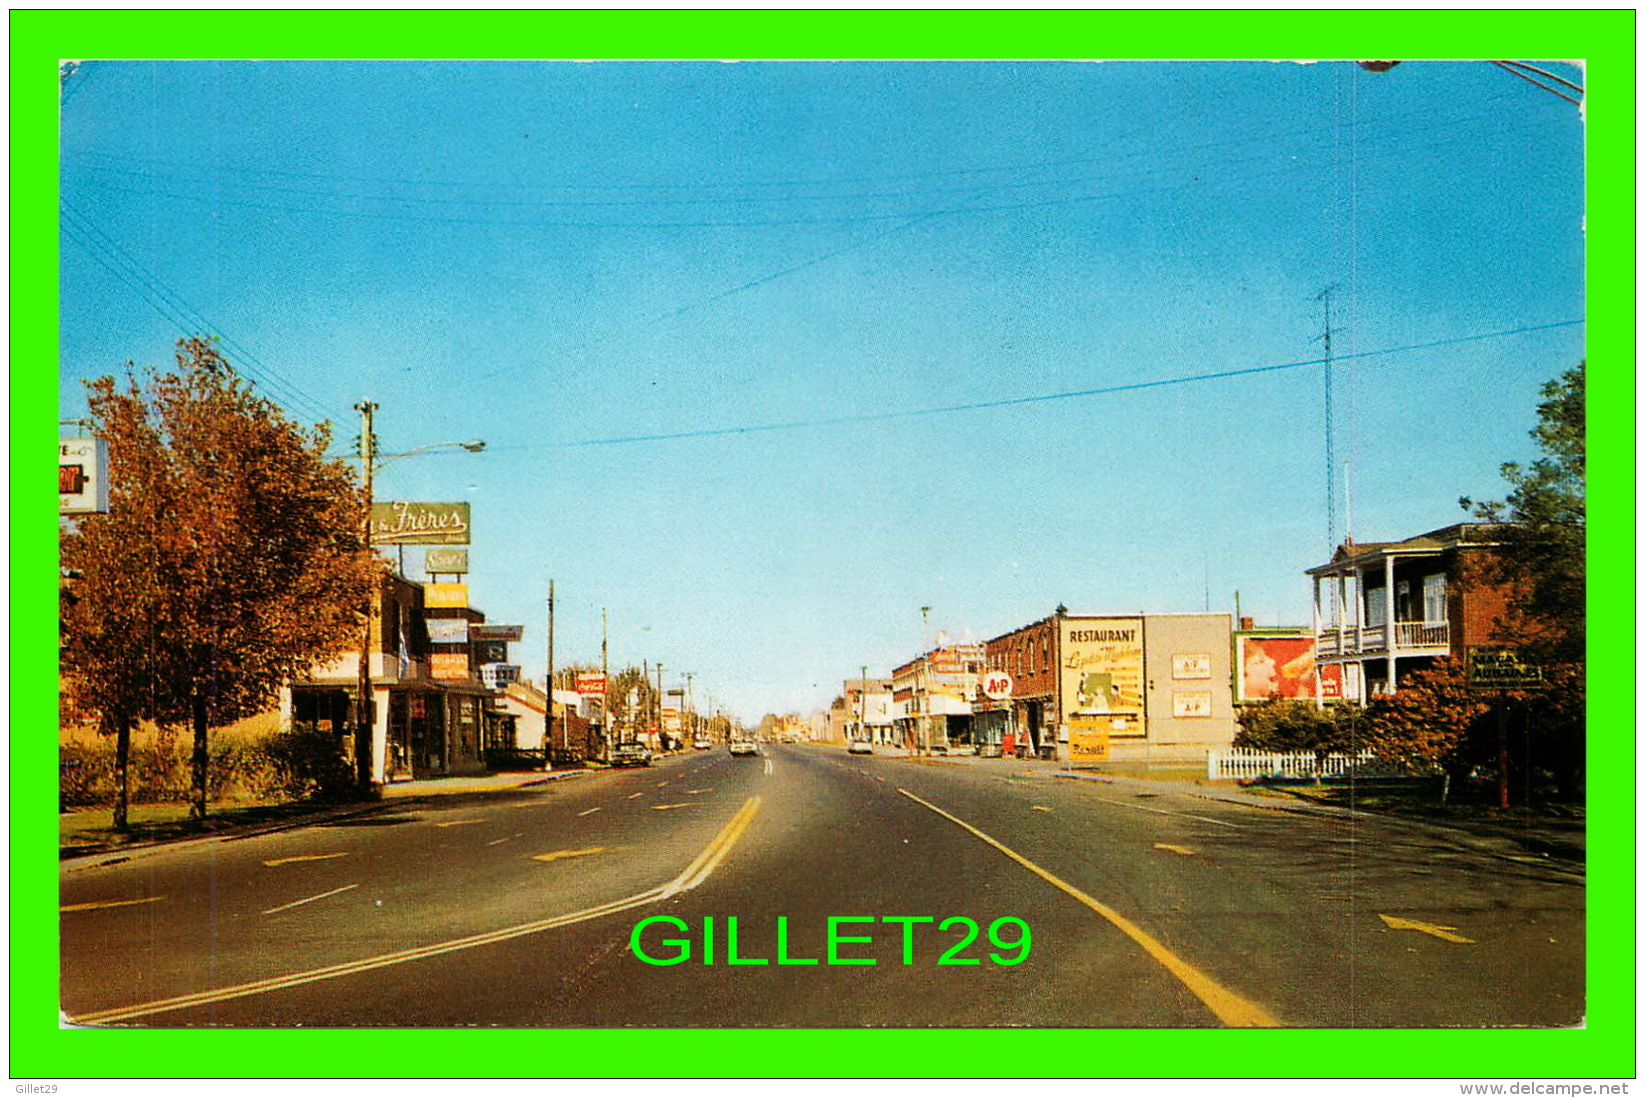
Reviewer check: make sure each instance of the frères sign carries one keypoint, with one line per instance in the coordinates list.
(400, 523)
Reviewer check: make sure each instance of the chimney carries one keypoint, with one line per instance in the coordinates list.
(1246, 624)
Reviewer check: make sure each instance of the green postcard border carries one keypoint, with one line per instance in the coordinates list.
(1604, 1048)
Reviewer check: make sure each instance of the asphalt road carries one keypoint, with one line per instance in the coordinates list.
(519, 909)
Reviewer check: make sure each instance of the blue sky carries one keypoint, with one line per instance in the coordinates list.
(570, 260)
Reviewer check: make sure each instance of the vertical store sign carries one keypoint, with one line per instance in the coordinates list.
(82, 476)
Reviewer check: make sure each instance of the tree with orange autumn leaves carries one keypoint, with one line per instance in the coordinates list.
(231, 559)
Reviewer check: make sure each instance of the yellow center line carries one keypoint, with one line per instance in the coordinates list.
(303, 858)
(1230, 1008)
(558, 854)
(693, 875)
(458, 823)
(110, 903)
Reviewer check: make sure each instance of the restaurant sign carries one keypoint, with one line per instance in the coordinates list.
(401, 523)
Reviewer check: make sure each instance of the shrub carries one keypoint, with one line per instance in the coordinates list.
(1286, 726)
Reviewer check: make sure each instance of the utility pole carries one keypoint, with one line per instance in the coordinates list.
(662, 736)
(364, 722)
(689, 717)
(1330, 444)
(607, 726)
(862, 705)
(550, 730)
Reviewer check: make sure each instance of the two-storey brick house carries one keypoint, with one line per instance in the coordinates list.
(1385, 609)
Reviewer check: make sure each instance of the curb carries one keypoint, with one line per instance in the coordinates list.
(110, 855)
(1549, 848)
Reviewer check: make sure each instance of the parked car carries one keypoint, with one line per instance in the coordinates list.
(631, 754)
(860, 747)
(702, 743)
(744, 747)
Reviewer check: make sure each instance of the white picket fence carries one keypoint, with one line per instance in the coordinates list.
(1238, 763)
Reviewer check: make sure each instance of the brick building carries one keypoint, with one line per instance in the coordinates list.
(1385, 609)
(1155, 687)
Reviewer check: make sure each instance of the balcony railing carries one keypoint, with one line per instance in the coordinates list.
(1409, 636)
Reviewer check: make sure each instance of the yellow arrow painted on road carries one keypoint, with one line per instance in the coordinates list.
(1173, 849)
(303, 858)
(558, 854)
(1426, 928)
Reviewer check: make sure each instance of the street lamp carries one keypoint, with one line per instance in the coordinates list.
(473, 446)
(370, 460)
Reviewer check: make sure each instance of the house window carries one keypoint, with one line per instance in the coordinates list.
(1376, 606)
(1402, 600)
(1433, 598)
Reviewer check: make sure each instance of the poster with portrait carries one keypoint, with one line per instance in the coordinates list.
(1283, 667)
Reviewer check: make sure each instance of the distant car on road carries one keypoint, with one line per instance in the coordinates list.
(860, 747)
(744, 747)
(631, 754)
(701, 743)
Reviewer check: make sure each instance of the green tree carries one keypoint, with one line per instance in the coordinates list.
(231, 559)
(1542, 562)
(1543, 555)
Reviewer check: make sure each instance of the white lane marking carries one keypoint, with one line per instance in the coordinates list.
(1167, 812)
(590, 812)
(768, 767)
(504, 839)
(311, 899)
(692, 876)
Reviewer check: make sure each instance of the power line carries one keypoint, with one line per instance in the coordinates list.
(1011, 402)
(176, 309)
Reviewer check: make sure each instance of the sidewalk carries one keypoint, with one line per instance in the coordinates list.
(1552, 837)
(167, 825)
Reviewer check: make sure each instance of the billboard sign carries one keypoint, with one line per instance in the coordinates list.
(496, 632)
(82, 476)
(498, 675)
(445, 596)
(1283, 667)
(445, 562)
(591, 684)
(448, 665)
(447, 630)
(1101, 671)
(401, 523)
